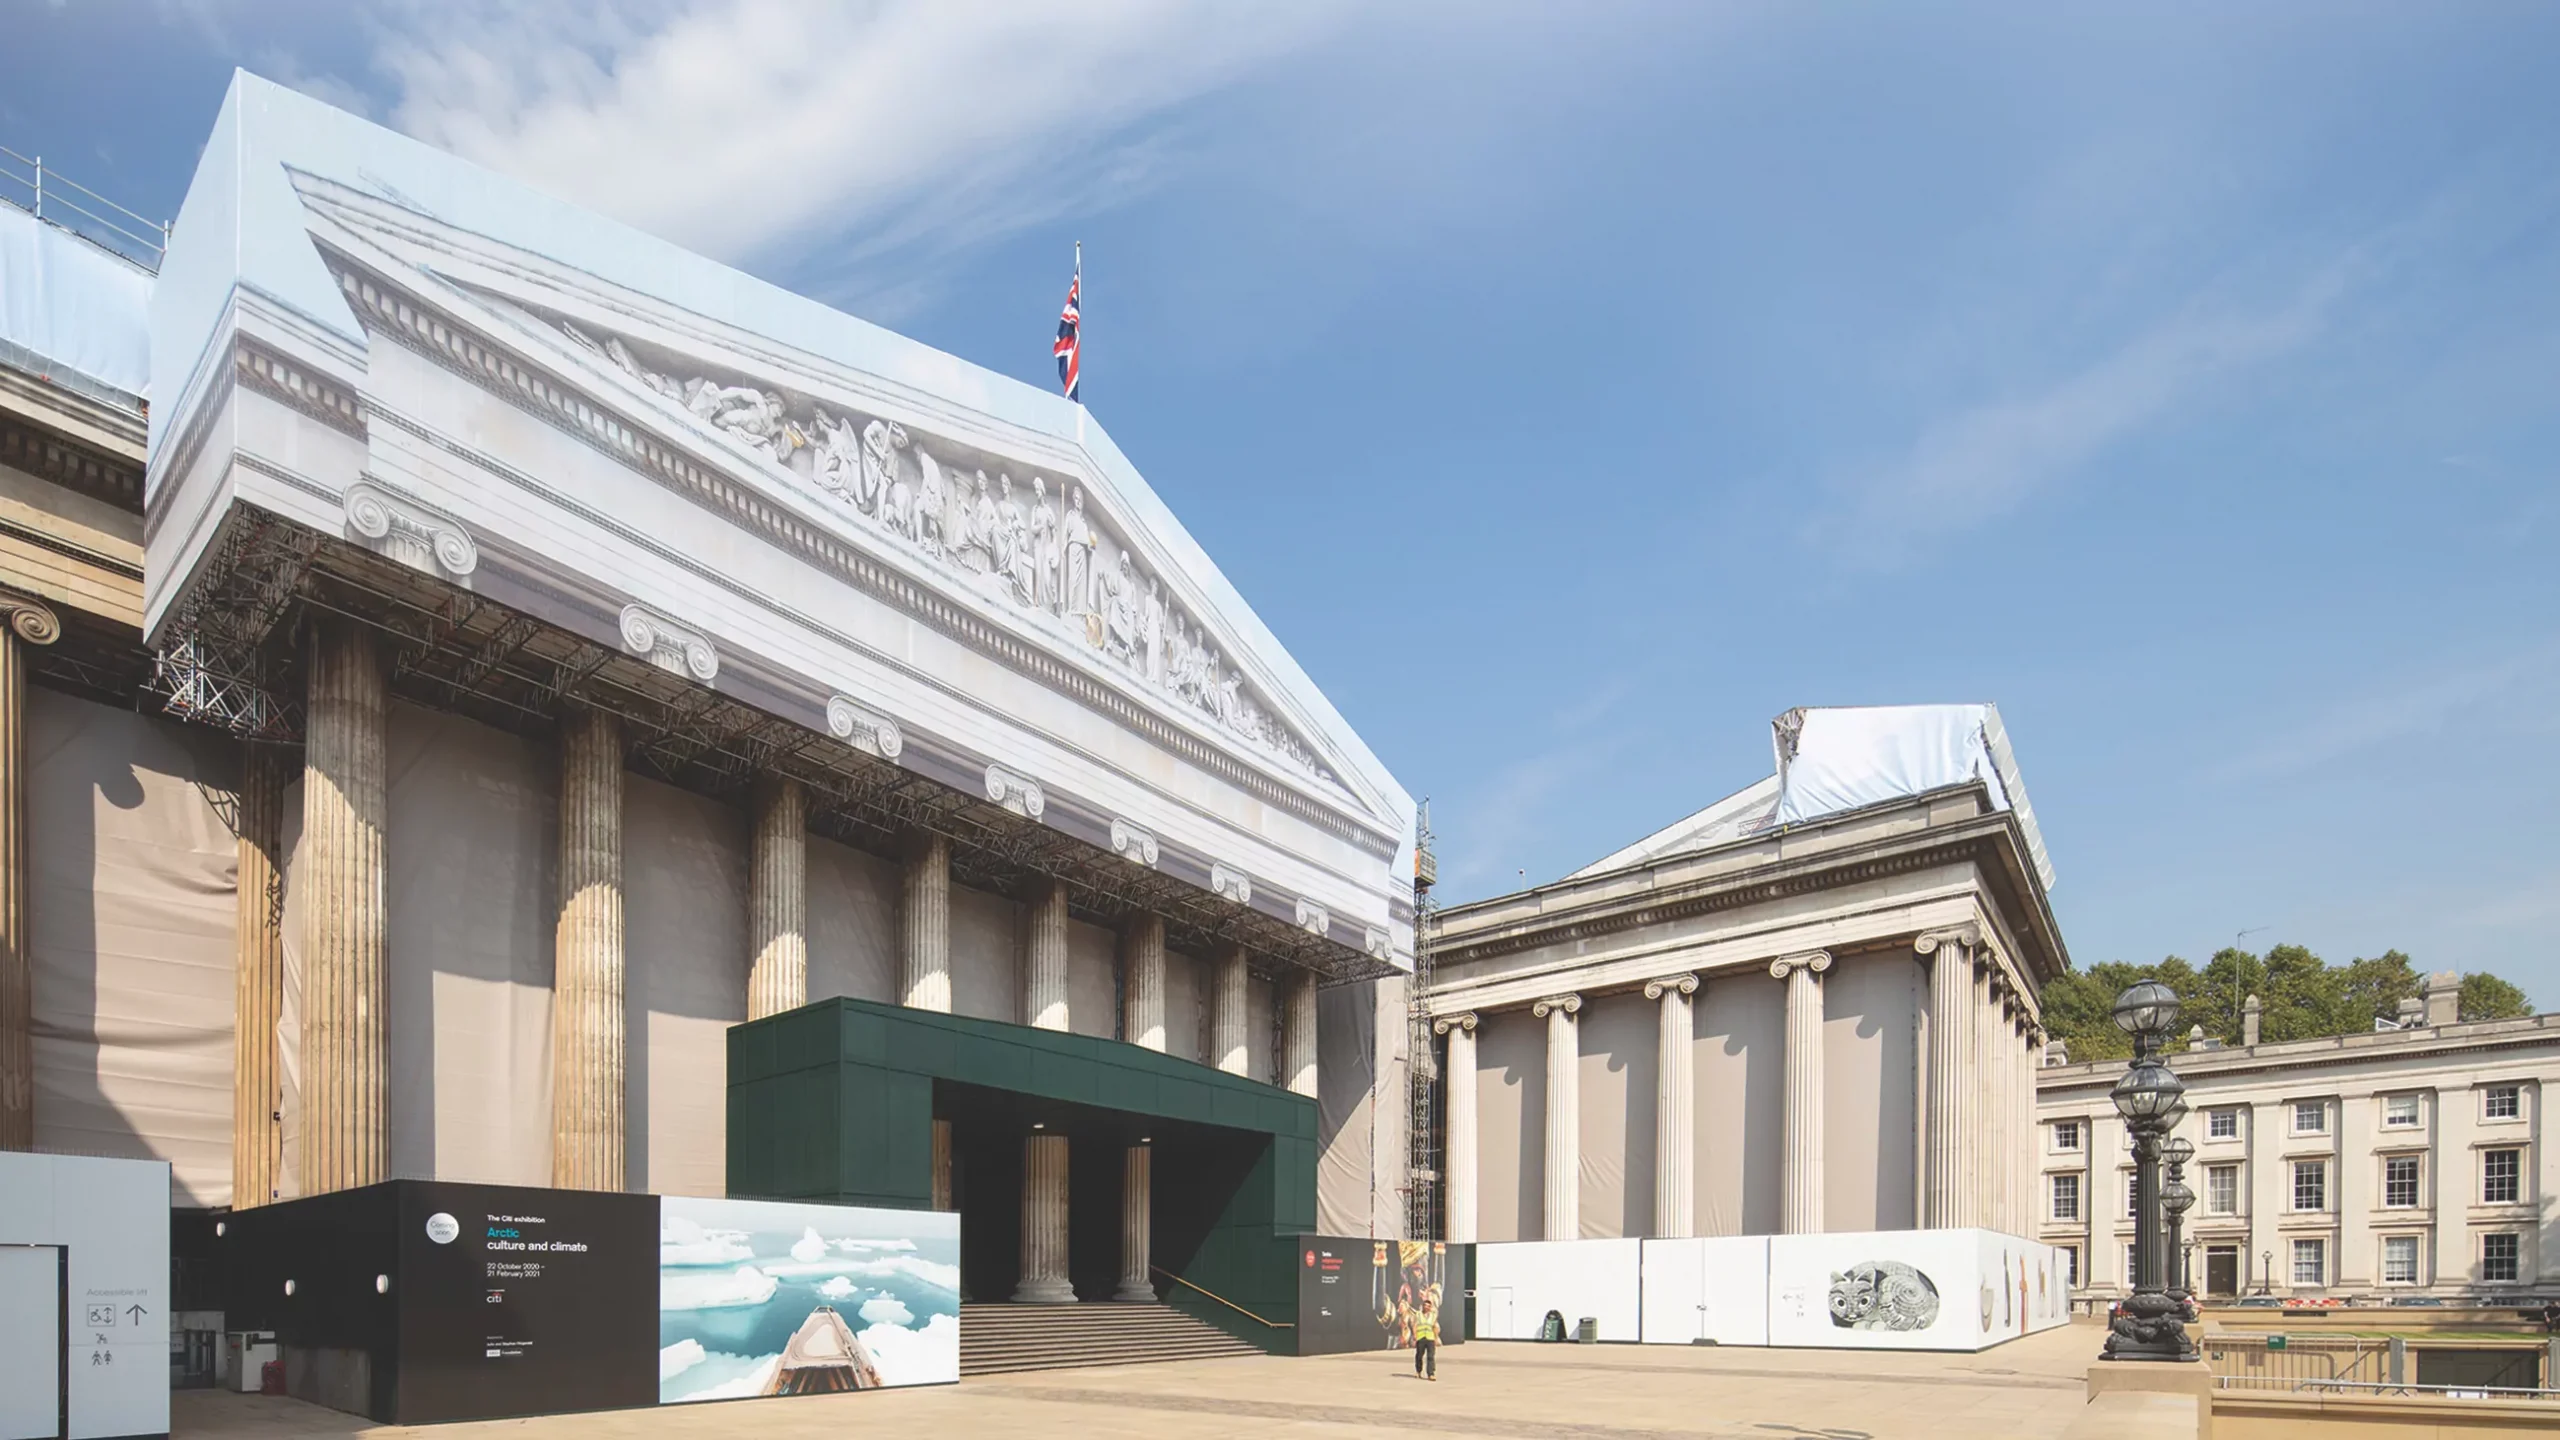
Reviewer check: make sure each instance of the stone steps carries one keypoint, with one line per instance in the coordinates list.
(995, 1339)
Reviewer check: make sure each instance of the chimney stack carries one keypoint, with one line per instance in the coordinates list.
(2249, 1009)
(2444, 997)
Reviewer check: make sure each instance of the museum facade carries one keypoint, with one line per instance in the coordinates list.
(1811, 1006)
(513, 651)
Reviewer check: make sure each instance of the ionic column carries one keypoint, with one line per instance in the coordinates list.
(345, 1136)
(778, 899)
(586, 960)
(1044, 1223)
(1044, 959)
(1985, 1147)
(941, 1164)
(28, 623)
(1675, 1170)
(1458, 1148)
(1563, 1216)
(1142, 985)
(1998, 1079)
(1950, 988)
(1298, 1033)
(1137, 1211)
(1228, 1025)
(257, 994)
(925, 978)
(1800, 1171)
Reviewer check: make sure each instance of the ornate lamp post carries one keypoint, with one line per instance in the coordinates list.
(2151, 1325)
(2177, 1199)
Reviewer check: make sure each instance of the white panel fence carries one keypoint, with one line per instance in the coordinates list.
(1958, 1290)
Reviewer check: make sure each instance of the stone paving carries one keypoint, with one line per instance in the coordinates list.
(2028, 1388)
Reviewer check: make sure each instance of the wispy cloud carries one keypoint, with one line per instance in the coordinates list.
(1985, 461)
(751, 128)
(2425, 707)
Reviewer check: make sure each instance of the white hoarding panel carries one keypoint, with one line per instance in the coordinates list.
(1707, 1289)
(1519, 1282)
(2029, 1283)
(1878, 1290)
(113, 1218)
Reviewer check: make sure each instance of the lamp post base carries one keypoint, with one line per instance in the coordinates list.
(2151, 1326)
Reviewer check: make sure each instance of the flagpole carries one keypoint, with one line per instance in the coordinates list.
(1079, 342)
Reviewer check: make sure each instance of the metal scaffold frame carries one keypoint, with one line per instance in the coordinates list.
(1423, 1219)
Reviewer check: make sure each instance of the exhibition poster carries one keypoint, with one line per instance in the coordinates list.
(763, 1297)
(1357, 1294)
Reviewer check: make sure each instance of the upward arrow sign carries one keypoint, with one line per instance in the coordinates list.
(135, 1311)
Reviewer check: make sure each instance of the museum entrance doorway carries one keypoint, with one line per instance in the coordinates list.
(2222, 1270)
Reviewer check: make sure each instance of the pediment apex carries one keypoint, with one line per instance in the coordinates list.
(1166, 622)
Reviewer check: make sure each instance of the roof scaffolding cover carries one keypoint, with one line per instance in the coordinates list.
(1834, 760)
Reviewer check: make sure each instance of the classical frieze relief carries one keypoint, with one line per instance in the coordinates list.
(1036, 545)
(868, 729)
(417, 535)
(669, 646)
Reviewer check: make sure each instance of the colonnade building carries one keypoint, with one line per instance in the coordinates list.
(520, 650)
(1811, 1006)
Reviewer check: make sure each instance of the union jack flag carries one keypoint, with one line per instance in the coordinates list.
(1070, 321)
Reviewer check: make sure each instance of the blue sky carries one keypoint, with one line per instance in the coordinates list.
(1575, 388)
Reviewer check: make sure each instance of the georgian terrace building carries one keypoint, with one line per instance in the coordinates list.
(524, 649)
(2408, 1161)
(1810, 1006)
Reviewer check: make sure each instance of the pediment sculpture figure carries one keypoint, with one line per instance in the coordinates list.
(835, 458)
(1076, 536)
(1013, 546)
(1151, 632)
(881, 484)
(1044, 548)
(932, 504)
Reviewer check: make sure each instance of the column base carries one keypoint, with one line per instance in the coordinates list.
(1043, 1291)
(1134, 1292)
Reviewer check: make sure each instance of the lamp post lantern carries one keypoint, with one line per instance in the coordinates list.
(2177, 1199)
(2151, 1325)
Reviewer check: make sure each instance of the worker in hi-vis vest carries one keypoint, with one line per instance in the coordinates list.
(1426, 1341)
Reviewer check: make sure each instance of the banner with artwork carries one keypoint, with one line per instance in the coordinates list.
(1358, 1294)
(763, 1297)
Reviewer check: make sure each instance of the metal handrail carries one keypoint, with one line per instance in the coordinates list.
(2382, 1387)
(1223, 1300)
(43, 182)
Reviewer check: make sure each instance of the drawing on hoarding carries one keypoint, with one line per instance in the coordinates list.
(763, 1297)
(1883, 1295)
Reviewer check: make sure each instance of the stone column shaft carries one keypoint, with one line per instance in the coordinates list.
(1228, 1011)
(1137, 1218)
(23, 623)
(1044, 960)
(587, 960)
(1563, 1214)
(345, 1134)
(1675, 1170)
(926, 912)
(257, 1095)
(942, 1165)
(1044, 1222)
(1298, 1027)
(778, 899)
(1950, 1016)
(1800, 1173)
(1458, 1148)
(1142, 986)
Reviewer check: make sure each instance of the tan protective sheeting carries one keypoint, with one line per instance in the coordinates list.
(986, 955)
(1740, 1059)
(1511, 1118)
(470, 888)
(1346, 1072)
(1388, 1135)
(1619, 1037)
(853, 923)
(1870, 1004)
(1182, 1019)
(289, 1008)
(130, 906)
(684, 875)
(1093, 980)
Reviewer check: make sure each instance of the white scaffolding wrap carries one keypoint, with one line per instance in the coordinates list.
(1833, 760)
(69, 302)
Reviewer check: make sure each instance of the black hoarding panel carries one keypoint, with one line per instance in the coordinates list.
(1356, 1294)
(525, 1302)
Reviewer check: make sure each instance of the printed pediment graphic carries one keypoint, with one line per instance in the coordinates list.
(1038, 538)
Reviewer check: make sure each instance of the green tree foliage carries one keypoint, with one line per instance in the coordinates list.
(2486, 997)
(2304, 997)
